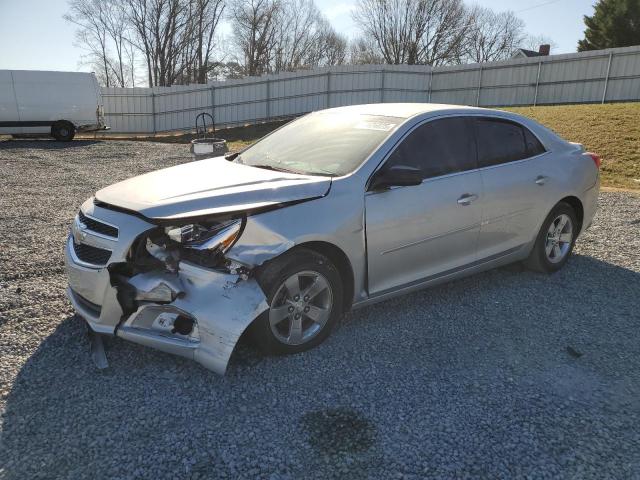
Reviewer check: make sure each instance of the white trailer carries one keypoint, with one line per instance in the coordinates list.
(54, 103)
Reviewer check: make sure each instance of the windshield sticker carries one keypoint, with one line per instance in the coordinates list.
(373, 125)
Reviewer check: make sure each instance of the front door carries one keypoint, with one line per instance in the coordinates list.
(418, 232)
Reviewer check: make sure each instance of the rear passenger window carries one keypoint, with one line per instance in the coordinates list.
(534, 147)
(501, 141)
(438, 148)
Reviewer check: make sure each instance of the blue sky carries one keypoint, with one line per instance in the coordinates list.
(34, 35)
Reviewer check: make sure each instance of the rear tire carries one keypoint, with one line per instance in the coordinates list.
(555, 241)
(63, 131)
(305, 296)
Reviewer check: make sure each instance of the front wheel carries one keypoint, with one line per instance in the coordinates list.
(304, 291)
(555, 240)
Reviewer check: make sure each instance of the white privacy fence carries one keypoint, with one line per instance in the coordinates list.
(589, 77)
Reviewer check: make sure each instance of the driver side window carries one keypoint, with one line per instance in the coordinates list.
(439, 147)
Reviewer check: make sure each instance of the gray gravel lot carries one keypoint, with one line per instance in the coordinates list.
(473, 379)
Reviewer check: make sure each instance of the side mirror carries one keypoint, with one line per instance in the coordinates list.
(396, 176)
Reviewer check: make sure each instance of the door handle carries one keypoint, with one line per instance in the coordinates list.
(467, 198)
(541, 180)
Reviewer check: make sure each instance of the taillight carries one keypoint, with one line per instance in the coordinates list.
(596, 158)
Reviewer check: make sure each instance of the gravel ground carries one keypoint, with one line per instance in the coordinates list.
(506, 374)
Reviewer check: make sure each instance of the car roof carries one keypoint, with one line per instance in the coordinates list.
(412, 110)
(402, 110)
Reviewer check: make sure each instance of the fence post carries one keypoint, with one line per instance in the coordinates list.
(535, 96)
(153, 110)
(479, 87)
(606, 80)
(268, 99)
(430, 81)
(213, 104)
(328, 88)
(382, 87)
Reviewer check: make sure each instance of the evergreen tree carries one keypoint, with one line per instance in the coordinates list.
(615, 23)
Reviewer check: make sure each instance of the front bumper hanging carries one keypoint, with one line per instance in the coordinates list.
(195, 312)
(210, 312)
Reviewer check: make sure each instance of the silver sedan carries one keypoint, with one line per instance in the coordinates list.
(335, 210)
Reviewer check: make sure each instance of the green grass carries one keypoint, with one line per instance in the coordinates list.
(612, 131)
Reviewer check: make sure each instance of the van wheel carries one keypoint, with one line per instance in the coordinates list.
(555, 240)
(63, 131)
(304, 292)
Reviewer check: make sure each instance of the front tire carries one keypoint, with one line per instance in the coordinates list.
(304, 291)
(555, 241)
(63, 131)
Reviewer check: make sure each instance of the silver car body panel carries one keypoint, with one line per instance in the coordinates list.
(438, 235)
(209, 187)
(224, 306)
(396, 241)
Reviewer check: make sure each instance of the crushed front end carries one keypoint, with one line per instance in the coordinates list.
(167, 286)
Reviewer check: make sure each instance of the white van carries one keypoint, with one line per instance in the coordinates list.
(54, 103)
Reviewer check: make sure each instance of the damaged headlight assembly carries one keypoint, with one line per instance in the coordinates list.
(214, 238)
(202, 242)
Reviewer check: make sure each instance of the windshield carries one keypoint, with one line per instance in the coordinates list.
(324, 143)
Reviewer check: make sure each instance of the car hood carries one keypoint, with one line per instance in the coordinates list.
(209, 187)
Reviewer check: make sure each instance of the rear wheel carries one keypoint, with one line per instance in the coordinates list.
(304, 291)
(63, 131)
(555, 240)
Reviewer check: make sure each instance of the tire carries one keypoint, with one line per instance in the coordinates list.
(551, 251)
(63, 131)
(276, 331)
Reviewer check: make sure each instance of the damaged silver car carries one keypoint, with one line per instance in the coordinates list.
(335, 210)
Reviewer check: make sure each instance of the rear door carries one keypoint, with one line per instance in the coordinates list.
(515, 170)
(9, 118)
(418, 232)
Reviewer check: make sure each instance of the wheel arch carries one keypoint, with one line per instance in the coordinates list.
(577, 206)
(342, 263)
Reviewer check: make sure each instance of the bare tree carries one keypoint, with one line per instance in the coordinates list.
(296, 34)
(204, 18)
(255, 25)
(332, 47)
(162, 34)
(178, 40)
(305, 38)
(90, 17)
(363, 51)
(116, 26)
(493, 36)
(415, 31)
(283, 35)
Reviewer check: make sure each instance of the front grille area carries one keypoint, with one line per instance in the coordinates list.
(97, 226)
(93, 255)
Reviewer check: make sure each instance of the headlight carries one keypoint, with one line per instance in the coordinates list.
(197, 236)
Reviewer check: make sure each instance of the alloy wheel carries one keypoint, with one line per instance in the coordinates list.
(559, 238)
(301, 307)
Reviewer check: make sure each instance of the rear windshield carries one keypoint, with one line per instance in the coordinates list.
(323, 143)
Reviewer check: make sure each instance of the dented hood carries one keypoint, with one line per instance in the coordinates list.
(208, 187)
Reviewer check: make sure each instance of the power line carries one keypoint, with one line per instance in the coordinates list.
(537, 6)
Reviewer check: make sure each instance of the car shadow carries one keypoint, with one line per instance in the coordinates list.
(59, 395)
